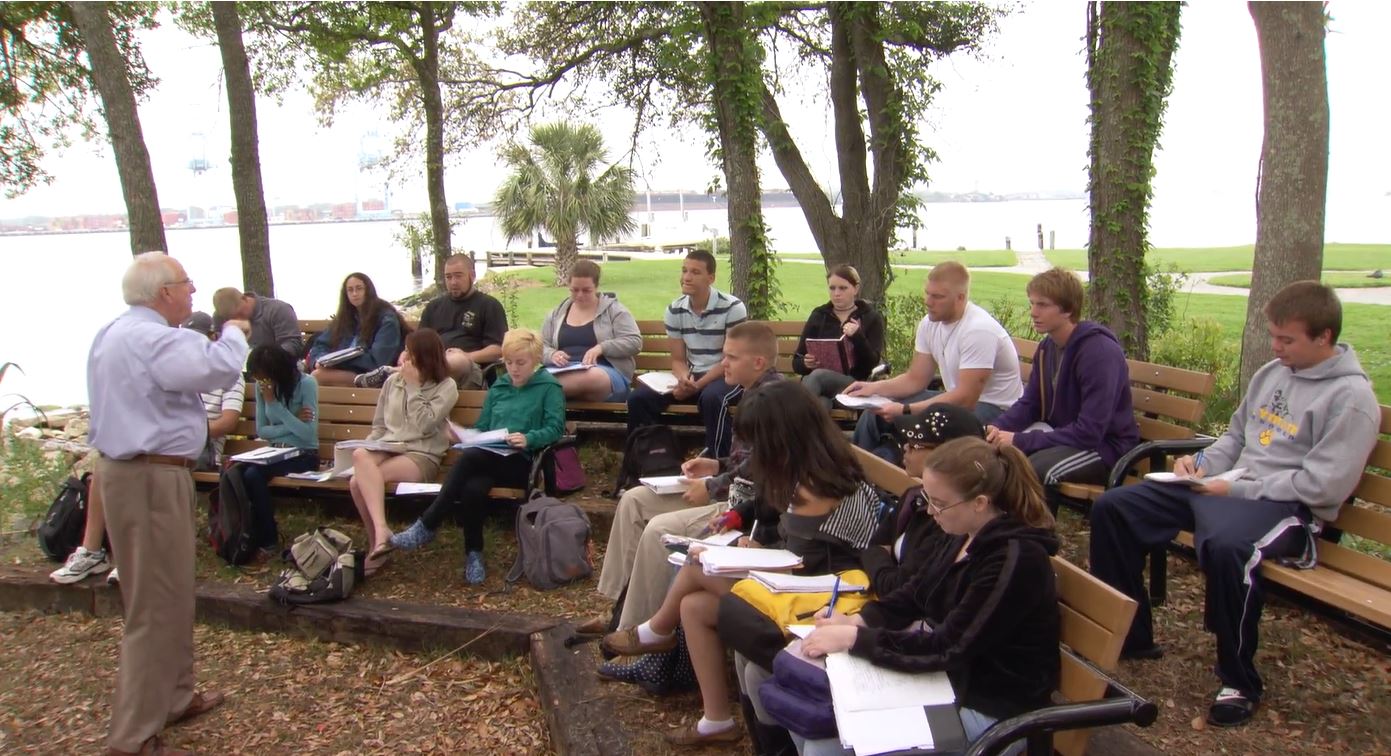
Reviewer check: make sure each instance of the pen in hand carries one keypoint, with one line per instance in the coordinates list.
(835, 594)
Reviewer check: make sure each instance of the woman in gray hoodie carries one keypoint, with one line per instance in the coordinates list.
(590, 341)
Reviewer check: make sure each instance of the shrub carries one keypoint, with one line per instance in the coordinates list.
(902, 313)
(1199, 345)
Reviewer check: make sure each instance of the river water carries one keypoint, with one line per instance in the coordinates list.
(58, 290)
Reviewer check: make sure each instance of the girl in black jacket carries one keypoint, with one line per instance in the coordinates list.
(845, 315)
(985, 610)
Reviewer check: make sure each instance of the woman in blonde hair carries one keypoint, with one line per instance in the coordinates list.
(985, 611)
(844, 316)
(530, 405)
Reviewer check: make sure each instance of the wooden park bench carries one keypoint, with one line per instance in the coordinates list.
(345, 414)
(1347, 578)
(1094, 621)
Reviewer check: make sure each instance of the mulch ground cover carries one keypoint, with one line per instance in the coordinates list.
(1328, 690)
(285, 695)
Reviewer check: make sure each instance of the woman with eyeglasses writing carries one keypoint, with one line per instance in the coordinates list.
(985, 610)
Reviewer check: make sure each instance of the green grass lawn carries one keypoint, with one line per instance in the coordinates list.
(1212, 259)
(646, 287)
(978, 258)
(1339, 280)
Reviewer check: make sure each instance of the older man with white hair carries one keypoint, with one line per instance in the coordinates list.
(144, 375)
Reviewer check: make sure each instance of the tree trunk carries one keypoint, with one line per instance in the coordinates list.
(1128, 74)
(567, 251)
(123, 128)
(1293, 184)
(427, 68)
(735, 84)
(252, 224)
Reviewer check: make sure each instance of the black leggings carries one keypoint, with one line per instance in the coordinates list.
(465, 491)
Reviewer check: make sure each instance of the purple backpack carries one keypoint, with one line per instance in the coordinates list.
(798, 696)
(558, 469)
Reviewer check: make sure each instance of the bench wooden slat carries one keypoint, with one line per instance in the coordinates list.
(882, 473)
(1377, 488)
(1082, 635)
(1076, 684)
(1364, 567)
(1350, 593)
(1361, 521)
(1179, 408)
(1381, 455)
(1096, 601)
(1385, 428)
(1158, 430)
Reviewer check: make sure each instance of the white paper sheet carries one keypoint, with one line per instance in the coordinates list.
(801, 631)
(661, 381)
(778, 582)
(570, 368)
(1189, 480)
(884, 730)
(857, 685)
(668, 484)
(415, 489)
(863, 402)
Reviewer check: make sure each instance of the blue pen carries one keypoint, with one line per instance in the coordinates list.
(835, 594)
(1197, 461)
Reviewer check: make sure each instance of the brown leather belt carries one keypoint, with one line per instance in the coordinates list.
(164, 459)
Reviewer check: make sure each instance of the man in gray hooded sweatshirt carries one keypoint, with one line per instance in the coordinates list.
(1301, 437)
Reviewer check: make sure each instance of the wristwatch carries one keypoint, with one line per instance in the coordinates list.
(907, 408)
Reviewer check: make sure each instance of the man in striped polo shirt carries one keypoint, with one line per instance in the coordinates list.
(696, 323)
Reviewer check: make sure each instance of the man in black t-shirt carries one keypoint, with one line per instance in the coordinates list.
(470, 323)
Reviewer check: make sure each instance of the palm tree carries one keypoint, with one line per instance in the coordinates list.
(553, 187)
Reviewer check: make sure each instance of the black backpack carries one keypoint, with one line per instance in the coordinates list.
(649, 450)
(229, 518)
(62, 529)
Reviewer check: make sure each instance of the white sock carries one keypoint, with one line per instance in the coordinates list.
(709, 727)
(647, 635)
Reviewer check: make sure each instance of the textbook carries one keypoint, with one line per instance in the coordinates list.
(662, 382)
(736, 562)
(1193, 480)
(570, 368)
(267, 455)
(470, 437)
(339, 357)
(864, 402)
(780, 583)
(832, 354)
(667, 484)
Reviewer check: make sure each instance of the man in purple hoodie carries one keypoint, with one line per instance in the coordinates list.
(1075, 418)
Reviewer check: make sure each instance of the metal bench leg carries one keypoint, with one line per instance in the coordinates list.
(1159, 575)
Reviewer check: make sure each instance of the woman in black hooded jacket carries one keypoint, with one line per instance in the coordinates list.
(847, 316)
(985, 610)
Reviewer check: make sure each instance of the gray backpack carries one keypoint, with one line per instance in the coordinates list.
(552, 544)
(323, 567)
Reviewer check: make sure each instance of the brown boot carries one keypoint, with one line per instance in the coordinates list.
(202, 703)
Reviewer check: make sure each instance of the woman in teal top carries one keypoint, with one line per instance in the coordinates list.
(287, 415)
(530, 404)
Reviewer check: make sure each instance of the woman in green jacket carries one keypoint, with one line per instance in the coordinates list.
(528, 403)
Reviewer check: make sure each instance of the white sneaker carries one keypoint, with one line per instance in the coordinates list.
(81, 564)
(113, 578)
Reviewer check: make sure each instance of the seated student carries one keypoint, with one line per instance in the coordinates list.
(635, 560)
(470, 322)
(588, 329)
(363, 320)
(977, 359)
(989, 601)
(803, 467)
(273, 322)
(223, 405)
(848, 316)
(529, 403)
(1075, 418)
(412, 410)
(285, 397)
(1301, 434)
(905, 542)
(696, 323)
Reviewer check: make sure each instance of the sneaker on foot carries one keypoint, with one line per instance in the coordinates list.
(80, 564)
(414, 537)
(112, 578)
(373, 378)
(474, 571)
(1231, 708)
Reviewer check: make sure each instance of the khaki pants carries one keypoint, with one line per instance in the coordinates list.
(636, 557)
(149, 518)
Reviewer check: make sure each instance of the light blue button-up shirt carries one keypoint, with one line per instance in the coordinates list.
(144, 377)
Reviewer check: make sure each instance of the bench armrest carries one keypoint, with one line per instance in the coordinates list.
(1155, 452)
(1120, 706)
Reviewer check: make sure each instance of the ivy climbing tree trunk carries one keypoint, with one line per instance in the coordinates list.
(736, 85)
(427, 68)
(1130, 49)
(252, 224)
(108, 72)
(1293, 180)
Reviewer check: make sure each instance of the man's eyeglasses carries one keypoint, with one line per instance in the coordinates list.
(188, 281)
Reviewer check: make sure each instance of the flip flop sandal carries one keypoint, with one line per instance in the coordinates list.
(1231, 708)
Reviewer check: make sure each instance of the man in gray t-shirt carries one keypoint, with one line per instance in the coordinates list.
(696, 324)
(272, 321)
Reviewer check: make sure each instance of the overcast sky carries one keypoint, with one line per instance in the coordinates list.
(1012, 120)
